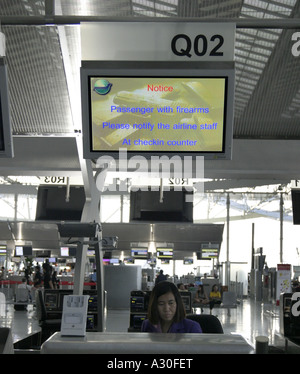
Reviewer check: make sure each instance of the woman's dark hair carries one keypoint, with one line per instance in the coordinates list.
(201, 288)
(160, 289)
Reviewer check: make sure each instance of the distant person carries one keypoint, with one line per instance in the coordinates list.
(55, 280)
(37, 277)
(47, 271)
(201, 296)
(2, 273)
(166, 312)
(27, 274)
(214, 297)
(181, 287)
(161, 277)
(25, 286)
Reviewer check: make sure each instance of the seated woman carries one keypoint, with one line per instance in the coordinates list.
(214, 297)
(166, 312)
(201, 296)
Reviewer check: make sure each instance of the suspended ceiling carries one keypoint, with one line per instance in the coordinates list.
(44, 60)
(185, 238)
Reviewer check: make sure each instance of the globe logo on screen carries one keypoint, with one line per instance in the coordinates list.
(102, 87)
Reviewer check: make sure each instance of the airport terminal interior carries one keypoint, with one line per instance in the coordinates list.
(226, 214)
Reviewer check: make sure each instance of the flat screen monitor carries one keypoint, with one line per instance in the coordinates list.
(137, 303)
(51, 300)
(64, 251)
(146, 206)
(107, 254)
(6, 142)
(138, 320)
(164, 253)
(68, 251)
(23, 250)
(3, 250)
(296, 206)
(188, 261)
(186, 299)
(53, 203)
(157, 108)
(42, 253)
(141, 253)
(209, 252)
(18, 250)
(72, 251)
(61, 298)
(114, 261)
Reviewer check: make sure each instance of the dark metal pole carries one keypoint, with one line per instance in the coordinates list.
(100, 286)
(51, 19)
(281, 228)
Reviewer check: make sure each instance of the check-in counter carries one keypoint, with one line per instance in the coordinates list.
(8, 286)
(151, 343)
(66, 282)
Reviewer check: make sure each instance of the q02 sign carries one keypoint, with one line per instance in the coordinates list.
(157, 41)
(201, 45)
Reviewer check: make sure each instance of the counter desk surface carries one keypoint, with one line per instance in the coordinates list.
(150, 343)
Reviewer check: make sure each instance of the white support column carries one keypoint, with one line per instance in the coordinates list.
(80, 267)
(91, 210)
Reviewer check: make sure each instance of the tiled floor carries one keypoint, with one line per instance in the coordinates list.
(22, 323)
(250, 319)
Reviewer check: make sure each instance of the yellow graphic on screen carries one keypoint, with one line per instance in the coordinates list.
(158, 114)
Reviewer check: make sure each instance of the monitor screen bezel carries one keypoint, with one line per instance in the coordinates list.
(144, 255)
(160, 250)
(67, 251)
(210, 247)
(3, 250)
(157, 69)
(19, 251)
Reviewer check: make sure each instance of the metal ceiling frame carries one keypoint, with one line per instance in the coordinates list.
(264, 23)
(51, 19)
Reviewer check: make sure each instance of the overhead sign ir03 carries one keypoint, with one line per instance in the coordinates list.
(54, 180)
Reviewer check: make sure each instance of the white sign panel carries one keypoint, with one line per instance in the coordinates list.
(295, 184)
(157, 41)
(283, 281)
